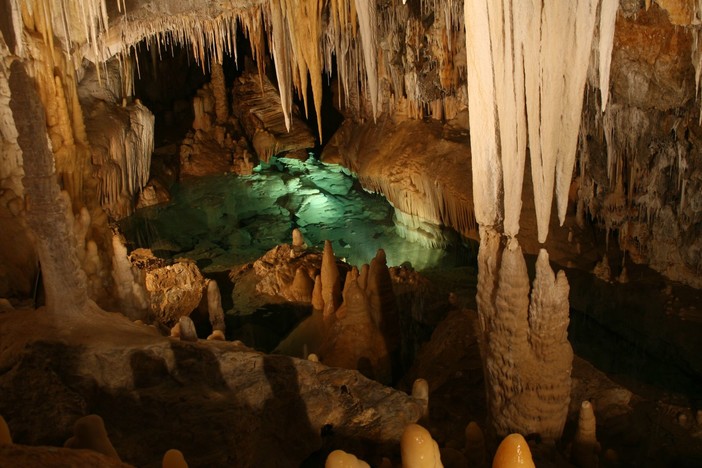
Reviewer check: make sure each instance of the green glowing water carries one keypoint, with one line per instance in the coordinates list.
(227, 220)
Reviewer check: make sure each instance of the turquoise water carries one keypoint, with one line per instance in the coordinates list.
(226, 220)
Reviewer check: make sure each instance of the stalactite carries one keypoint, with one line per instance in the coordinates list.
(281, 57)
(552, 87)
(608, 18)
(366, 20)
(481, 97)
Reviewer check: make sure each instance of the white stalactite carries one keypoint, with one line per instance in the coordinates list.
(366, 22)
(281, 58)
(608, 19)
(537, 54)
(481, 98)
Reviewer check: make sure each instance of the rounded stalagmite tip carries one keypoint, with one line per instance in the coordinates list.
(341, 459)
(174, 459)
(418, 448)
(513, 452)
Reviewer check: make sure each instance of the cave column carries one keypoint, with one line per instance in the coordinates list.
(527, 65)
(64, 280)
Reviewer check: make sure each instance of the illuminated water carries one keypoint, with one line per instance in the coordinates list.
(227, 220)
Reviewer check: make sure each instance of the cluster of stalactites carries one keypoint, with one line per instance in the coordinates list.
(310, 39)
(73, 24)
(525, 88)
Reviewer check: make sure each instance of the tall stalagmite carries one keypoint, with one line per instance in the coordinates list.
(64, 281)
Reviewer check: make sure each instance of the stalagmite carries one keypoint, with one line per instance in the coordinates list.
(354, 341)
(130, 292)
(187, 329)
(317, 298)
(341, 459)
(331, 284)
(513, 452)
(418, 448)
(214, 306)
(302, 286)
(524, 345)
(89, 433)
(475, 446)
(381, 299)
(5, 435)
(174, 459)
(64, 281)
(219, 89)
(420, 391)
(297, 239)
(585, 446)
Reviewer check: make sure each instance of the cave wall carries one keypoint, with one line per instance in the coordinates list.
(638, 171)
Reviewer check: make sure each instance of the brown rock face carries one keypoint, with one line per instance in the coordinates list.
(174, 291)
(25, 455)
(651, 65)
(219, 404)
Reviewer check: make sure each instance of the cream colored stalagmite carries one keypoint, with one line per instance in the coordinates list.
(527, 66)
(64, 281)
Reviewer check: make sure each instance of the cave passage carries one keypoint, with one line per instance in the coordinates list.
(223, 221)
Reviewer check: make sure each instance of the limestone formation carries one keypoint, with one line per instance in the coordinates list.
(64, 281)
(317, 299)
(89, 433)
(513, 452)
(174, 291)
(5, 435)
(331, 284)
(297, 239)
(418, 448)
(381, 300)
(258, 110)
(302, 286)
(420, 391)
(174, 458)
(341, 459)
(186, 329)
(475, 446)
(214, 307)
(526, 354)
(585, 446)
(353, 341)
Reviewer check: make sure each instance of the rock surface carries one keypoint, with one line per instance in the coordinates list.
(217, 402)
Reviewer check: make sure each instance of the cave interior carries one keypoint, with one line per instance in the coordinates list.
(411, 233)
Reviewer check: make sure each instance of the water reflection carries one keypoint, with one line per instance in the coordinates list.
(226, 220)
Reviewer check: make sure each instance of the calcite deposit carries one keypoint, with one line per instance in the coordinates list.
(472, 116)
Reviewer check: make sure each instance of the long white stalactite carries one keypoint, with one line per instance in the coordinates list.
(531, 55)
(527, 67)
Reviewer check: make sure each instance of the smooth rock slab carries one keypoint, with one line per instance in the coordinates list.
(218, 403)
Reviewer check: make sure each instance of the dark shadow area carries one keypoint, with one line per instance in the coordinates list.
(41, 387)
(286, 410)
(265, 329)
